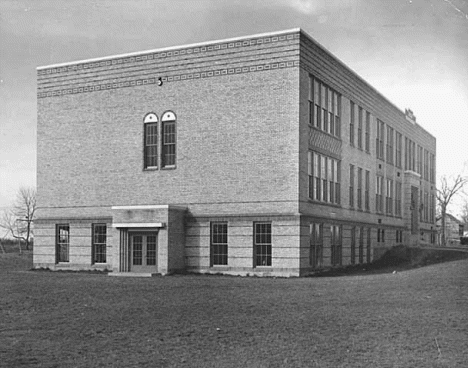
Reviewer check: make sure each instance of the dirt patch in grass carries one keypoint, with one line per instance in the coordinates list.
(397, 259)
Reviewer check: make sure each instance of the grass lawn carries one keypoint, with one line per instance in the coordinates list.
(413, 318)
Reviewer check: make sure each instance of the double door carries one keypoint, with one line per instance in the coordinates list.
(143, 252)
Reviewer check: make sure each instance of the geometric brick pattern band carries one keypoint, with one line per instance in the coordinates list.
(170, 78)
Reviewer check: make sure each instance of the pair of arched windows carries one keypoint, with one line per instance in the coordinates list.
(167, 152)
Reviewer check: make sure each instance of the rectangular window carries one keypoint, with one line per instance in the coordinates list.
(380, 139)
(219, 243)
(337, 112)
(389, 197)
(324, 107)
(361, 245)
(398, 187)
(62, 243)
(316, 244)
(366, 191)
(99, 243)
(359, 188)
(368, 124)
(432, 169)
(380, 235)
(359, 137)
(336, 249)
(324, 178)
(426, 165)
(379, 194)
(398, 138)
(368, 245)
(389, 144)
(353, 244)
(262, 243)
(168, 158)
(351, 123)
(351, 186)
(419, 162)
(426, 207)
(151, 145)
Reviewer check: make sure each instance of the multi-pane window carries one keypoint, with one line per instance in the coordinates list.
(380, 236)
(168, 149)
(324, 178)
(399, 236)
(359, 188)
(219, 243)
(426, 165)
(262, 243)
(361, 245)
(410, 154)
(324, 107)
(368, 246)
(398, 138)
(353, 244)
(359, 135)
(366, 191)
(432, 168)
(389, 145)
(351, 185)
(426, 207)
(379, 194)
(380, 139)
(316, 244)
(398, 187)
(99, 243)
(335, 243)
(62, 243)
(432, 209)
(352, 117)
(389, 197)
(151, 141)
(419, 161)
(368, 124)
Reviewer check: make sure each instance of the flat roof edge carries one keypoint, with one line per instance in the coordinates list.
(204, 43)
(347, 68)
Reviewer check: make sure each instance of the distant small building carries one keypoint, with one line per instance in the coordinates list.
(454, 229)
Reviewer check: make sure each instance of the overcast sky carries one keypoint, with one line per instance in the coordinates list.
(415, 52)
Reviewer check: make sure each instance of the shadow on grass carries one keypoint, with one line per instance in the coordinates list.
(397, 259)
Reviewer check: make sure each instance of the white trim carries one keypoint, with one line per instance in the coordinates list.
(169, 48)
(141, 225)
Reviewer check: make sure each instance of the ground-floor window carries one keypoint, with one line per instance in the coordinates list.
(353, 244)
(99, 243)
(368, 245)
(262, 243)
(336, 248)
(399, 236)
(380, 235)
(219, 243)
(361, 245)
(316, 244)
(62, 243)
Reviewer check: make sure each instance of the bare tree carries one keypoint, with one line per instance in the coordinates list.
(448, 188)
(18, 220)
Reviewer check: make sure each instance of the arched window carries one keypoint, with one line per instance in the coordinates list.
(168, 133)
(150, 158)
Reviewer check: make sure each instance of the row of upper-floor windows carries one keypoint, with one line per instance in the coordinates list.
(325, 106)
(159, 141)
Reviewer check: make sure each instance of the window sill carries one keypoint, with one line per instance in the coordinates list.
(168, 167)
(324, 203)
(151, 168)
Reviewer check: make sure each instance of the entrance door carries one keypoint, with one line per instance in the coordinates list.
(143, 252)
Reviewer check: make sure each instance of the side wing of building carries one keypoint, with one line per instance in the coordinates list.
(367, 170)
